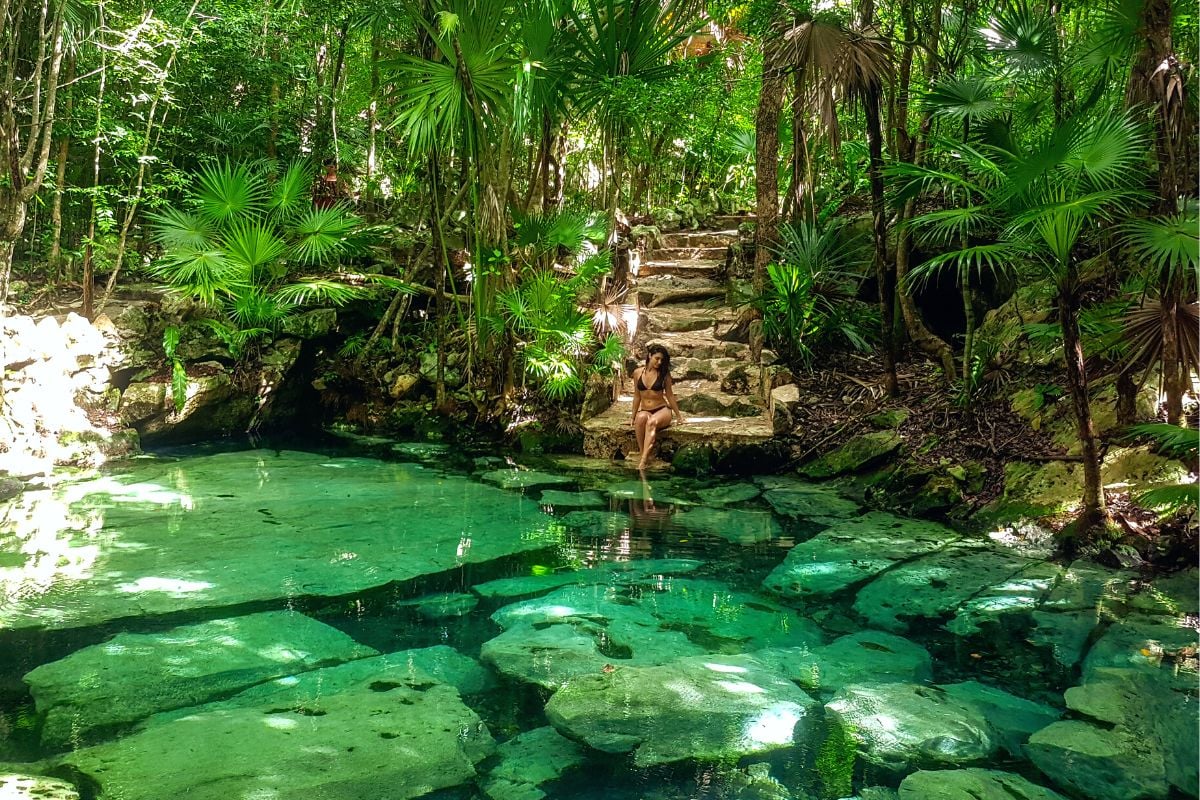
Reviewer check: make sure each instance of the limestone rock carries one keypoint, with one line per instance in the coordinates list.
(310, 324)
(1014, 718)
(1019, 595)
(862, 657)
(618, 572)
(937, 584)
(1146, 643)
(903, 726)
(817, 503)
(579, 630)
(728, 494)
(972, 784)
(530, 760)
(14, 786)
(560, 499)
(442, 606)
(853, 551)
(523, 479)
(403, 384)
(133, 676)
(246, 527)
(855, 455)
(374, 728)
(1098, 763)
(740, 526)
(716, 708)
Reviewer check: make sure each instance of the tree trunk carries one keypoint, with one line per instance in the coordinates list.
(766, 177)
(1126, 398)
(1174, 372)
(1094, 514)
(885, 269)
(799, 197)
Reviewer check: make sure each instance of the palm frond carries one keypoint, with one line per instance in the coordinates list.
(322, 235)
(227, 191)
(292, 193)
(254, 244)
(1106, 152)
(1168, 247)
(175, 229)
(970, 98)
(201, 274)
(257, 310)
(317, 290)
(1025, 37)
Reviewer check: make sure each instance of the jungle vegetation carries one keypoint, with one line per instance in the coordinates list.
(471, 173)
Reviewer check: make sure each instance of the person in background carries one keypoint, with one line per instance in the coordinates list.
(654, 404)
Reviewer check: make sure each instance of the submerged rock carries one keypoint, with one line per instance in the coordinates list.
(936, 585)
(619, 572)
(810, 502)
(530, 760)
(14, 786)
(716, 708)
(1150, 644)
(132, 676)
(853, 551)
(1014, 718)
(972, 784)
(1143, 713)
(738, 526)
(254, 526)
(1098, 763)
(584, 629)
(866, 656)
(374, 728)
(727, 494)
(524, 479)
(904, 726)
(442, 606)
(559, 499)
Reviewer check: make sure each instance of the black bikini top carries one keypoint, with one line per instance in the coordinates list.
(659, 382)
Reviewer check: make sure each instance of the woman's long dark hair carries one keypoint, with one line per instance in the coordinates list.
(666, 362)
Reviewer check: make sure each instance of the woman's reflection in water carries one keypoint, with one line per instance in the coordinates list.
(651, 519)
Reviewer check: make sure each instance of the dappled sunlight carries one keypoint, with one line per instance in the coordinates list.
(740, 687)
(175, 587)
(725, 668)
(775, 725)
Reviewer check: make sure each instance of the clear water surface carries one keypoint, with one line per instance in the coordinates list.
(386, 620)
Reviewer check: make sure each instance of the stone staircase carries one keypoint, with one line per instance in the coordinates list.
(680, 294)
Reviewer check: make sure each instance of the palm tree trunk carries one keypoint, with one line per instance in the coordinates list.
(885, 269)
(968, 301)
(766, 176)
(1174, 374)
(1094, 513)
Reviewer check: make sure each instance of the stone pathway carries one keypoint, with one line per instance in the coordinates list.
(682, 300)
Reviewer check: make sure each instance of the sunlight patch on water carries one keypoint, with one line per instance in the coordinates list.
(775, 725)
(176, 587)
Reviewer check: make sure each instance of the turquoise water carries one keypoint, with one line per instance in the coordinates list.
(388, 620)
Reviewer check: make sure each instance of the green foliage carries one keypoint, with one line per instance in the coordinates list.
(836, 759)
(238, 240)
(1177, 442)
(170, 342)
(807, 303)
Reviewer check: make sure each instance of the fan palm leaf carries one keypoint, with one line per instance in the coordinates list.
(317, 290)
(228, 191)
(291, 194)
(967, 99)
(204, 275)
(256, 245)
(321, 235)
(1025, 37)
(1168, 247)
(176, 229)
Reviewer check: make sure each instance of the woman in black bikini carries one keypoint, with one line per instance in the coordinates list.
(654, 404)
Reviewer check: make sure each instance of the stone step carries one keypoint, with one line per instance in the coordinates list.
(698, 239)
(704, 268)
(725, 221)
(693, 344)
(690, 252)
(670, 319)
(651, 287)
(610, 434)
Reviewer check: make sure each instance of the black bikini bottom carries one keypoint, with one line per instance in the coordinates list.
(651, 410)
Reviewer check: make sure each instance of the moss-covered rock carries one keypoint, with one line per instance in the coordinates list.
(693, 459)
(855, 455)
(889, 419)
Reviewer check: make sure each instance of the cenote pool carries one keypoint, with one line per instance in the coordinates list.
(391, 620)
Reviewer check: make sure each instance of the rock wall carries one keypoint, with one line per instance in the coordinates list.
(79, 393)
